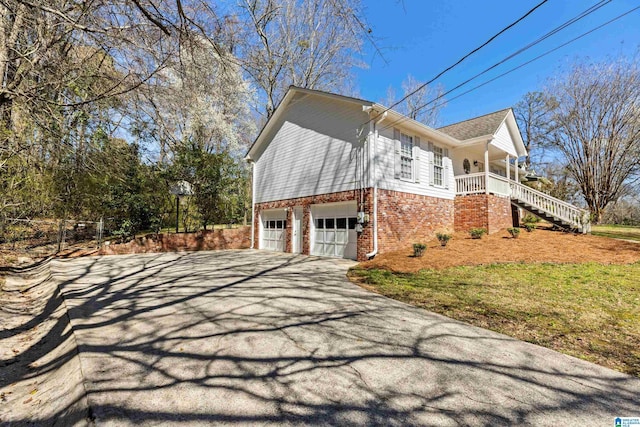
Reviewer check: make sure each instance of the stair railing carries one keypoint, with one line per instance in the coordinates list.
(560, 209)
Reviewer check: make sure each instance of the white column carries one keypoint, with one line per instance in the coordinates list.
(508, 169)
(486, 168)
(517, 177)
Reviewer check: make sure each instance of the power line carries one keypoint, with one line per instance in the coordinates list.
(492, 38)
(507, 72)
(557, 29)
(566, 24)
(537, 57)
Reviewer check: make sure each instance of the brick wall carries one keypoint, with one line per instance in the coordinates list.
(471, 212)
(499, 213)
(405, 218)
(482, 211)
(235, 238)
(365, 242)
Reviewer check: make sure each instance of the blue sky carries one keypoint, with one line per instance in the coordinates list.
(423, 37)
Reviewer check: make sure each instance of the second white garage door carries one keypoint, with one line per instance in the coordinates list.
(333, 230)
(274, 228)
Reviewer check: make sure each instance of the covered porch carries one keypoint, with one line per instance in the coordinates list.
(489, 193)
(486, 166)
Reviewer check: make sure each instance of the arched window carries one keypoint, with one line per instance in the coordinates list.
(466, 166)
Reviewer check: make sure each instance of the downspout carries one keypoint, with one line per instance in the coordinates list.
(375, 188)
(253, 201)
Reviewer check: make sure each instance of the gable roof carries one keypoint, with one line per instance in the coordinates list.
(282, 106)
(478, 126)
(486, 125)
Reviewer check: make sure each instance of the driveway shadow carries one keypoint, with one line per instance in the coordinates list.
(251, 337)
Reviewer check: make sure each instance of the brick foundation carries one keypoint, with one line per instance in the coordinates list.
(482, 211)
(365, 238)
(405, 219)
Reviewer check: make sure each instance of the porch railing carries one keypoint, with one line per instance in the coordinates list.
(474, 184)
(559, 209)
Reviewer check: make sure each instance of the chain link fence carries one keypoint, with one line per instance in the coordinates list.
(38, 238)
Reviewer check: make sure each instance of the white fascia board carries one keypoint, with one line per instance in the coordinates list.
(400, 120)
(475, 141)
(514, 132)
(267, 126)
(516, 136)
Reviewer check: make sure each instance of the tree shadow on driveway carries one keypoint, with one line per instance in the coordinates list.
(249, 337)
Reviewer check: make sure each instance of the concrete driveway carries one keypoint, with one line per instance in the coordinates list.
(257, 338)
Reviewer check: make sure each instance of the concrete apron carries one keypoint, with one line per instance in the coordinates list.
(254, 338)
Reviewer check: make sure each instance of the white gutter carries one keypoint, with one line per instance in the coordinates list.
(253, 201)
(375, 188)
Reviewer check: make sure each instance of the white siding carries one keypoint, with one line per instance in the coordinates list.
(503, 141)
(315, 148)
(386, 165)
(473, 154)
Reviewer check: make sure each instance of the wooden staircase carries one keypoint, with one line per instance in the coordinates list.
(549, 208)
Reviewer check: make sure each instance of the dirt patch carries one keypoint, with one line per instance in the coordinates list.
(40, 376)
(540, 246)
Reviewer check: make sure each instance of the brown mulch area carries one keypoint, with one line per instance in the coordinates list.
(539, 246)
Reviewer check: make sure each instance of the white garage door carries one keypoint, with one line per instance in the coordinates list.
(334, 233)
(274, 228)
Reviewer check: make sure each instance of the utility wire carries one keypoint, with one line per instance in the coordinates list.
(565, 25)
(492, 38)
(536, 58)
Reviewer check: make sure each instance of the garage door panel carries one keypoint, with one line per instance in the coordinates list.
(334, 230)
(329, 236)
(273, 232)
(329, 249)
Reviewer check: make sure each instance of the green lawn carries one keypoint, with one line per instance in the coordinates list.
(590, 311)
(617, 232)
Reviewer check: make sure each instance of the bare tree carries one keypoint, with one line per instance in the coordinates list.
(596, 127)
(309, 43)
(80, 79)
(625, 210)
(534, 116)
(38, 39)
(65, 66)
(424, 105)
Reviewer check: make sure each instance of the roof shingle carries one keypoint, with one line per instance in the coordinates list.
(478, 126)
